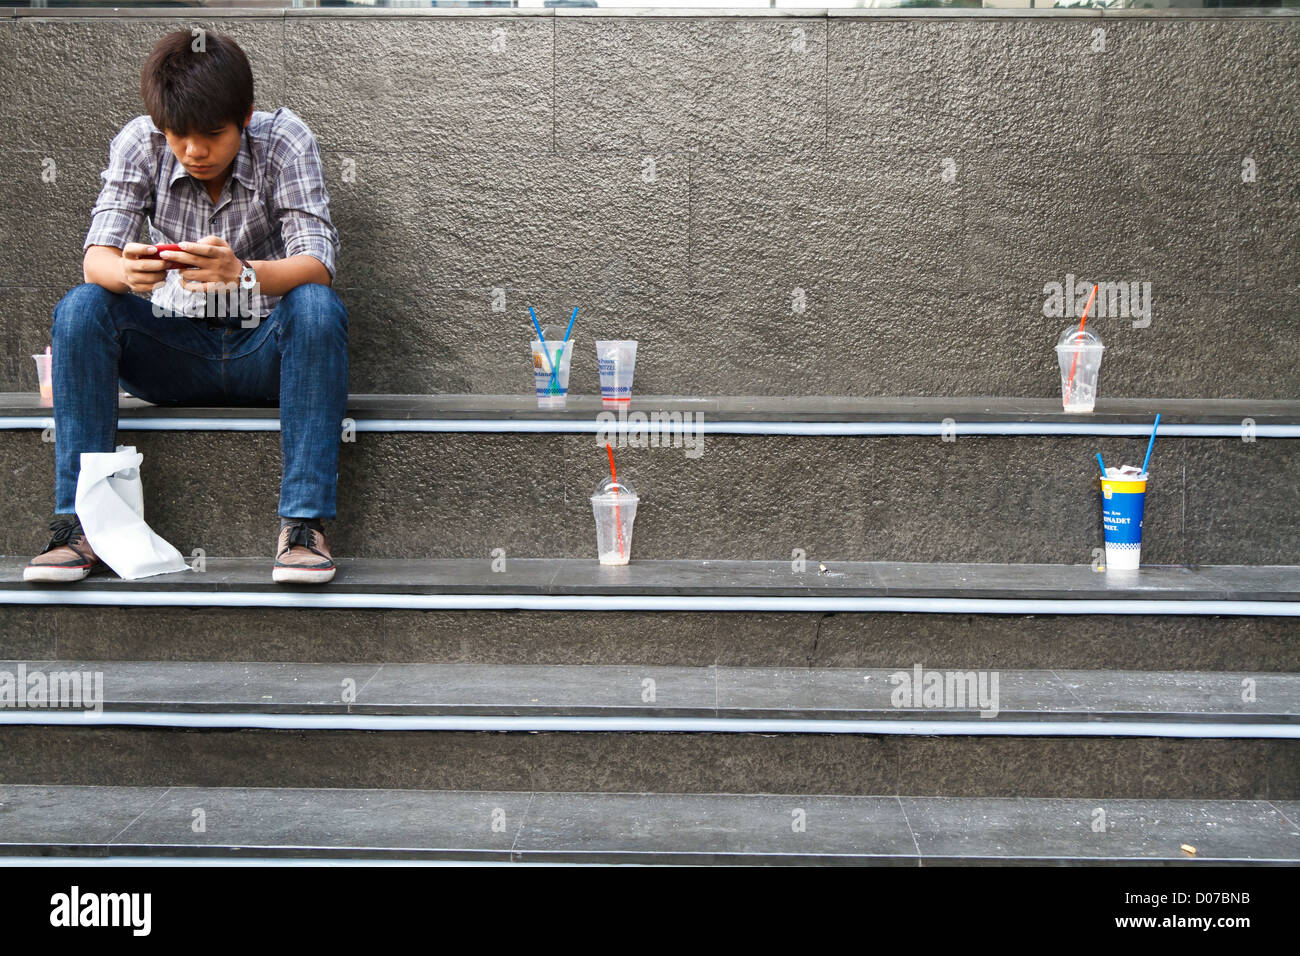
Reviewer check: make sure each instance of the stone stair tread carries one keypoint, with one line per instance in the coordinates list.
(758, 408)
(587, 690)
(521, 826)
(571, 576)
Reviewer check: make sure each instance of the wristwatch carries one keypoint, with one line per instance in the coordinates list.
(247, 277)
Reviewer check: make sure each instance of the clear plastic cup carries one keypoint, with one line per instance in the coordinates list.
(1079, 354)
(551, 392)
(616, 362)
(614, 506)
(45, 378)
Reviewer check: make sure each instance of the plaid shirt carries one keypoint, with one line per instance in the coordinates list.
(272, 206)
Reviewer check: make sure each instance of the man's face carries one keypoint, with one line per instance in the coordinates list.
(206, 154)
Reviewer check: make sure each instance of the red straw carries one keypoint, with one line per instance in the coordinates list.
(1069, 387)
(618, 522)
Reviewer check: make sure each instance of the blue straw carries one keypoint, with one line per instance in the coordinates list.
(554, 386)
(573, 318)
(1151, 444)
(538, 327)
(546, 351)
(1102, 463)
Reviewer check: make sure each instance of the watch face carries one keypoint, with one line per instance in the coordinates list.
(247, 278)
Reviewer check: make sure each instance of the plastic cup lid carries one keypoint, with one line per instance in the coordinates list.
(608, 489)
(1073, 338)
(622, 500)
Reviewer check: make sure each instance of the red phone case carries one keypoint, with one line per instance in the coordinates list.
(170, 247)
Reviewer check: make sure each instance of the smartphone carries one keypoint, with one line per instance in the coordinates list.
(170, 247)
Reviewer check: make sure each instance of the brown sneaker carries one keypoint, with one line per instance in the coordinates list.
(302, 556)
(68, 556)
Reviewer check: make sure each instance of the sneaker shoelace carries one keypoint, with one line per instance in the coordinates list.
(66, 532)
(302, 535)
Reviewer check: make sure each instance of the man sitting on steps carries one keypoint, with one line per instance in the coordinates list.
(248, 319)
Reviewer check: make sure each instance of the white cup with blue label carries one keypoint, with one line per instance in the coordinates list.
(551, 368)
(616, 362)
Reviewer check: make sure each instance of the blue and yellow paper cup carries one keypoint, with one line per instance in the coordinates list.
(1122, 502)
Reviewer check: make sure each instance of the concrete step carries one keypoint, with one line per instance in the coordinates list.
(902, 495)
(395, 412)
(911, 698)
(572, 584)
(1156, 642)
(937, 759)
(732, 614)
(647, 828)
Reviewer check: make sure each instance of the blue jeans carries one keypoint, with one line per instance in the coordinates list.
(297, 356)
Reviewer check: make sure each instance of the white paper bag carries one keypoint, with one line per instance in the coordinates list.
(110, 504)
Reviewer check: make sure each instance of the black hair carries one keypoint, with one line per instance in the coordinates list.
(196, 81)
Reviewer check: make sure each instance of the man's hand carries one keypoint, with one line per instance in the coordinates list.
(215, 265)
(140, 271)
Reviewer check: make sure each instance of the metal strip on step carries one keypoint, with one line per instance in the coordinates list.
(243, 861)
(687, 725)
(113, 597)
(535, 858)
(639, 602)
(592, 426)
